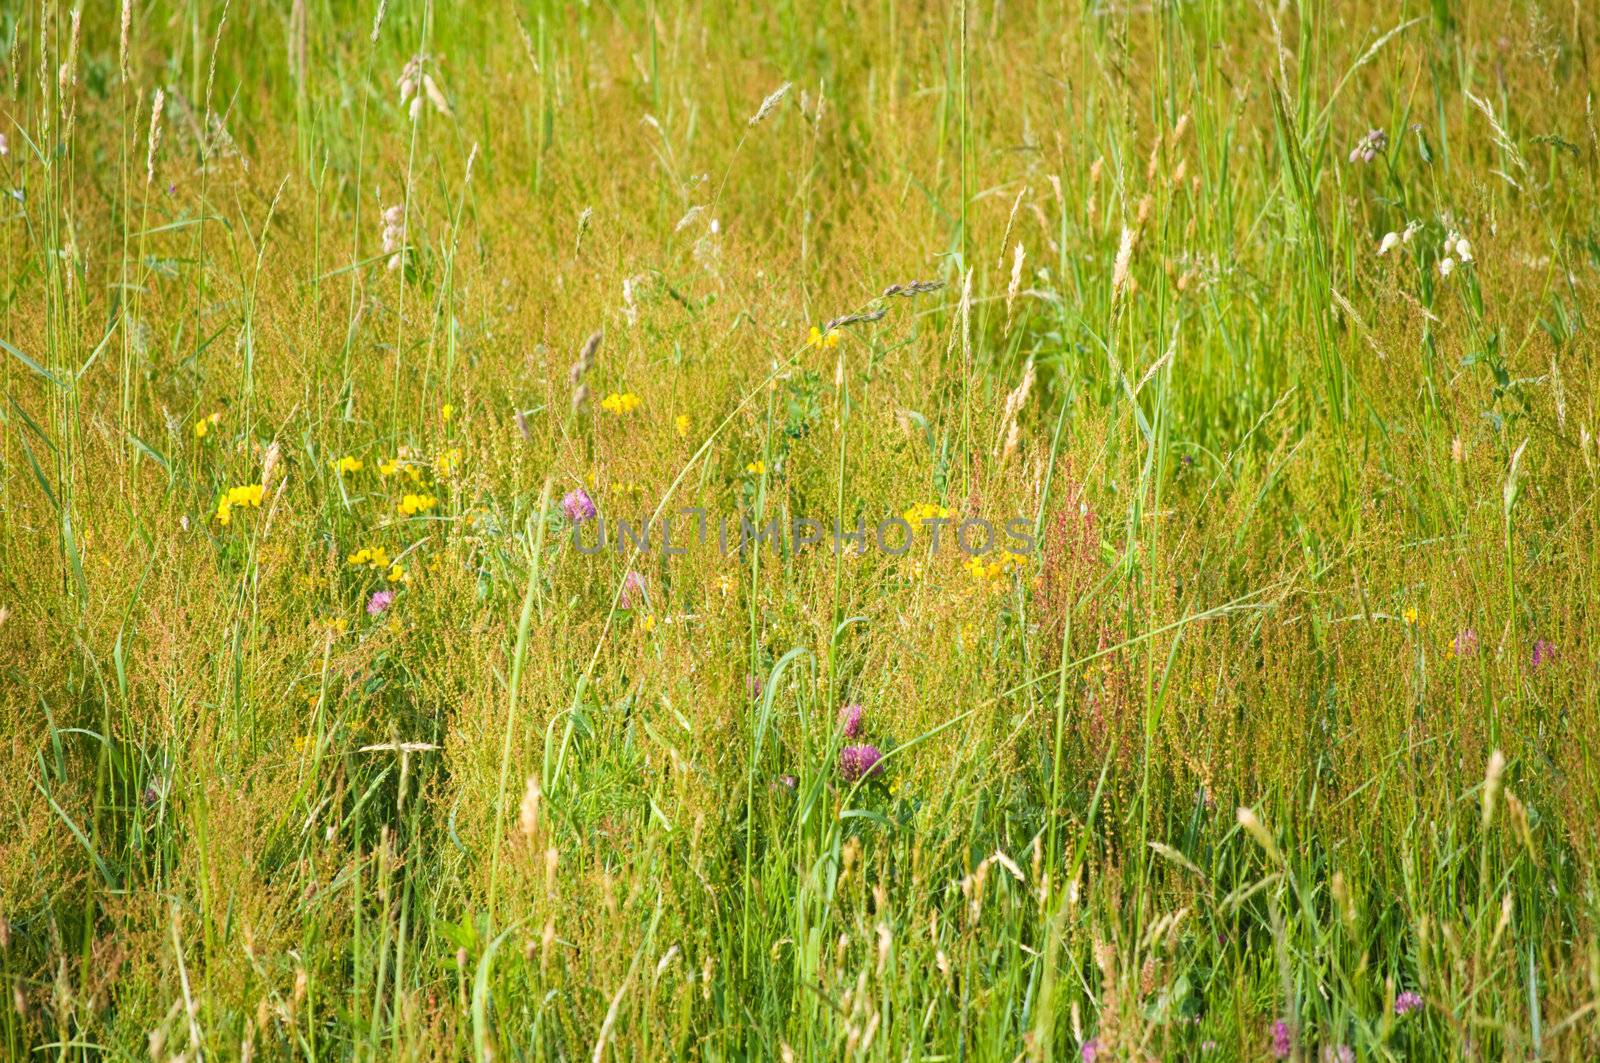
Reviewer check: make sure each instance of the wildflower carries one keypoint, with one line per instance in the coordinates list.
(348, 464)
(394, 236)
(860, 762)
(632, 589)
(369, 557)
(1410, 616)
(621, 404)
(202, 427)
(850, 720)
(648, 623)
(335, 625)
(681, 422)
(1456, 244)
(245, 496)
(1544, 651)
(1282, 1040)
(446, 412)
(389, 468)
(788, 781)
(820, 339)
(1370, 146)
(449, 461)
(379, 601)
(1339, 1054)
(1389, 243)
(399, 574)
(577, 505)
(1407, 1002)
(752, 686)
(411, 505)
(1465, 644)
(1447, 266)
(756, 468)
(922, 512)
(1090, 1051)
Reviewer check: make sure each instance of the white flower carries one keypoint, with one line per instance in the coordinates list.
(1446, 266)
(1463, 250)
(1412, 228)
(1390, 242)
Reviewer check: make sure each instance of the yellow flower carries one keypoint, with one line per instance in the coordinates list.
(245, 496)
(648, 623)
(820, 339)
(925, 511)
(398, 574)
(203, 427)
(1410, 616)
(449, 461)
(370, 557)
(411, 505)
(389, 468)
(301, 742)
(335, 625)
(621, 404)
(756, 468)
(682, 423)
(446, 412)
(349, 464)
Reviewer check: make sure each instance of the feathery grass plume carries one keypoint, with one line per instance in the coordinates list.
(584, 216)
(1016, 281)
(1011, 221)
(1256, 829)
(1492, 778)
(580, 368)
(912, 289)
(1010, 427)
(156, 107)
(377, 19)
(528, 816)
(770, 104)
(1119, 271)
(855, 319)
(122, 48)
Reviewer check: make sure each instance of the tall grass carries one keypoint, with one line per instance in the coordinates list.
(329, 739)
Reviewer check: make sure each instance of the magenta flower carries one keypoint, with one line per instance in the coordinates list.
(850, 720)
(859, 762)
(1544, 651)
(1466, 643)
(1282, 1040)
(1407, 1002)
(379, 601)
(632, 589)
(577, 505)
(1090, 1051)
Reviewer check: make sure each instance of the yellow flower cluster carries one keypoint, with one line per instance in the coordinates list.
(401, 464)
(820, 339)
(348, 464)
(203, 427)
(682, 423)
(626, 402)
(756, 468)
(925, 511)
(411, 505)
(992, 568)
(370, 557)
(247, 496)
(449, 461)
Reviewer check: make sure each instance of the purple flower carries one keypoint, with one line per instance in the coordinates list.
(1407, 1002)
(1282, 1040)
(1370, 146)
(577, 505)
(1090, 1051)
(632, 589)
(1544, 651)
(752, 685)
(859, 762)
(1339, 1054)
(379, 601)
(850, 720)
(1466, 643)
(788, 781)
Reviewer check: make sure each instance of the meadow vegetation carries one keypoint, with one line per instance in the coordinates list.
(325, 325)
